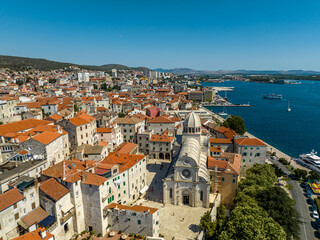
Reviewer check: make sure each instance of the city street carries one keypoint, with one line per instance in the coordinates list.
(308, 230)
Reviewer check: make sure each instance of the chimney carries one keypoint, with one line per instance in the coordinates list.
(43, 233)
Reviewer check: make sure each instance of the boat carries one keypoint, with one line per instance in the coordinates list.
(310, 159)
(272, 96)
(289, 109)
(224, 112)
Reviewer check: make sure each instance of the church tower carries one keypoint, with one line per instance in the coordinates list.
(192, 127)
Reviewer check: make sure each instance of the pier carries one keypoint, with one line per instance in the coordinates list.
(213, 104)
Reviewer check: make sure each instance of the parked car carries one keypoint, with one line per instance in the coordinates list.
(304, 185)
(314, 207)
(315, 214)
(318, 222)
(310, 200)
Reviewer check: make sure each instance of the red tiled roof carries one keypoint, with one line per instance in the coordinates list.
(250, 142)
(135, 208)
(47, 137)
(21, 125)
(126, 147)
(9, 198)
(34, 235)
(160, 119)
(221, 140)
(53, 189)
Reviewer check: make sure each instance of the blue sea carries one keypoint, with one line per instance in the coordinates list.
(292, 132)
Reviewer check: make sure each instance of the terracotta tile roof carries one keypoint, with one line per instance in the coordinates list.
(103, 143)
(53, 189)
(227, 132)
(250, 142)
(215, 149)
(86, 116)
(36, 216)
(104, 130)
(9, 198)
(66, 169)
(54, 117)
(47, 137)
(92, 179)
(128, 120)
(78, 121)
(125, 160)
(221, 140)
(213, 162)
(161, 138)
(160, 119)
(23, 152)
(21, 125)
(34, 235)
(126, 147)
(135, 208)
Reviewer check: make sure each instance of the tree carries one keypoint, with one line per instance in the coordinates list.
(250, 223)
(300, 173)
(121, 115)
(313, 175)
(276, 202)
(214, 228)
(235, 123)
(277, 170)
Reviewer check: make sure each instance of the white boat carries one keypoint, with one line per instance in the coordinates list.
(310, 159)
(224, 112)
(289, 109)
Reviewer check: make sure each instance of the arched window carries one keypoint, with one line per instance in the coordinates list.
(201, 196)
(170, 192)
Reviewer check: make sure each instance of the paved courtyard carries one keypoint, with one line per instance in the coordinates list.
(181, 222)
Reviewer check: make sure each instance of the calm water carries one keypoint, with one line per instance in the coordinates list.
(292, 132)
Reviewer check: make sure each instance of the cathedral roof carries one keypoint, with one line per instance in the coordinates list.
(192, 121)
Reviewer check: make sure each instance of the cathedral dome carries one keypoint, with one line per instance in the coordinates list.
(192, 121)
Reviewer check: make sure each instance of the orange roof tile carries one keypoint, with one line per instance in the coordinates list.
(221, 140)
(21, 125)
(34, 235)
(161, 138)
(160, 119)
(92, 179)
(135, 208)
(250, 142)
(53, 189)
(126, 147)
(9, 198)
(104, 130)
(47, 137)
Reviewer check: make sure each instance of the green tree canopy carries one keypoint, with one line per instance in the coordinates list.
(276, 202)
(251, 222)
(236, 123)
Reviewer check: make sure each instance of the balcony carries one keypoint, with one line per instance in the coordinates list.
(67, 216)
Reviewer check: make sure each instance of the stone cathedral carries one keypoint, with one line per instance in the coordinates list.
(188, 179)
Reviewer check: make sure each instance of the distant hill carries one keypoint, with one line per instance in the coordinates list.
(189, 71)
(24, 63)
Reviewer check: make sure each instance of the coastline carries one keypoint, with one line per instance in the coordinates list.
(272, 149)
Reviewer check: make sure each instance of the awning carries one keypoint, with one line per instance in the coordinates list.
(144, 189)
(23, 224)
(66, 208)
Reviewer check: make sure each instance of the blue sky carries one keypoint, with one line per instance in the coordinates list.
(213, 35)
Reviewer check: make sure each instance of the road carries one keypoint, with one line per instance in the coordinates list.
(308, 230)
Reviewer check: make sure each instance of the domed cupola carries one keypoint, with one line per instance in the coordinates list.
(192, 124)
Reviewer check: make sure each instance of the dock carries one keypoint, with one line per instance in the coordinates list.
(212, 104)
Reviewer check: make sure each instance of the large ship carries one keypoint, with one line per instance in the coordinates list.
(272, 96)
(310, 160)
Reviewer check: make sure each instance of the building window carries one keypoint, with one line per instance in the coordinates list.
(15, 206)
(258, 154)
(243, 160)
(124, 192)
(33, 205)
(201, 196)
(124, 183)
(119, 195)
(170, 192)
(139, 222)
(16, 216)
(244, 154)
(223, 179)
(233, 181)
(66, 227)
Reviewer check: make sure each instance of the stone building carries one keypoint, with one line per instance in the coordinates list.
(188, 179)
